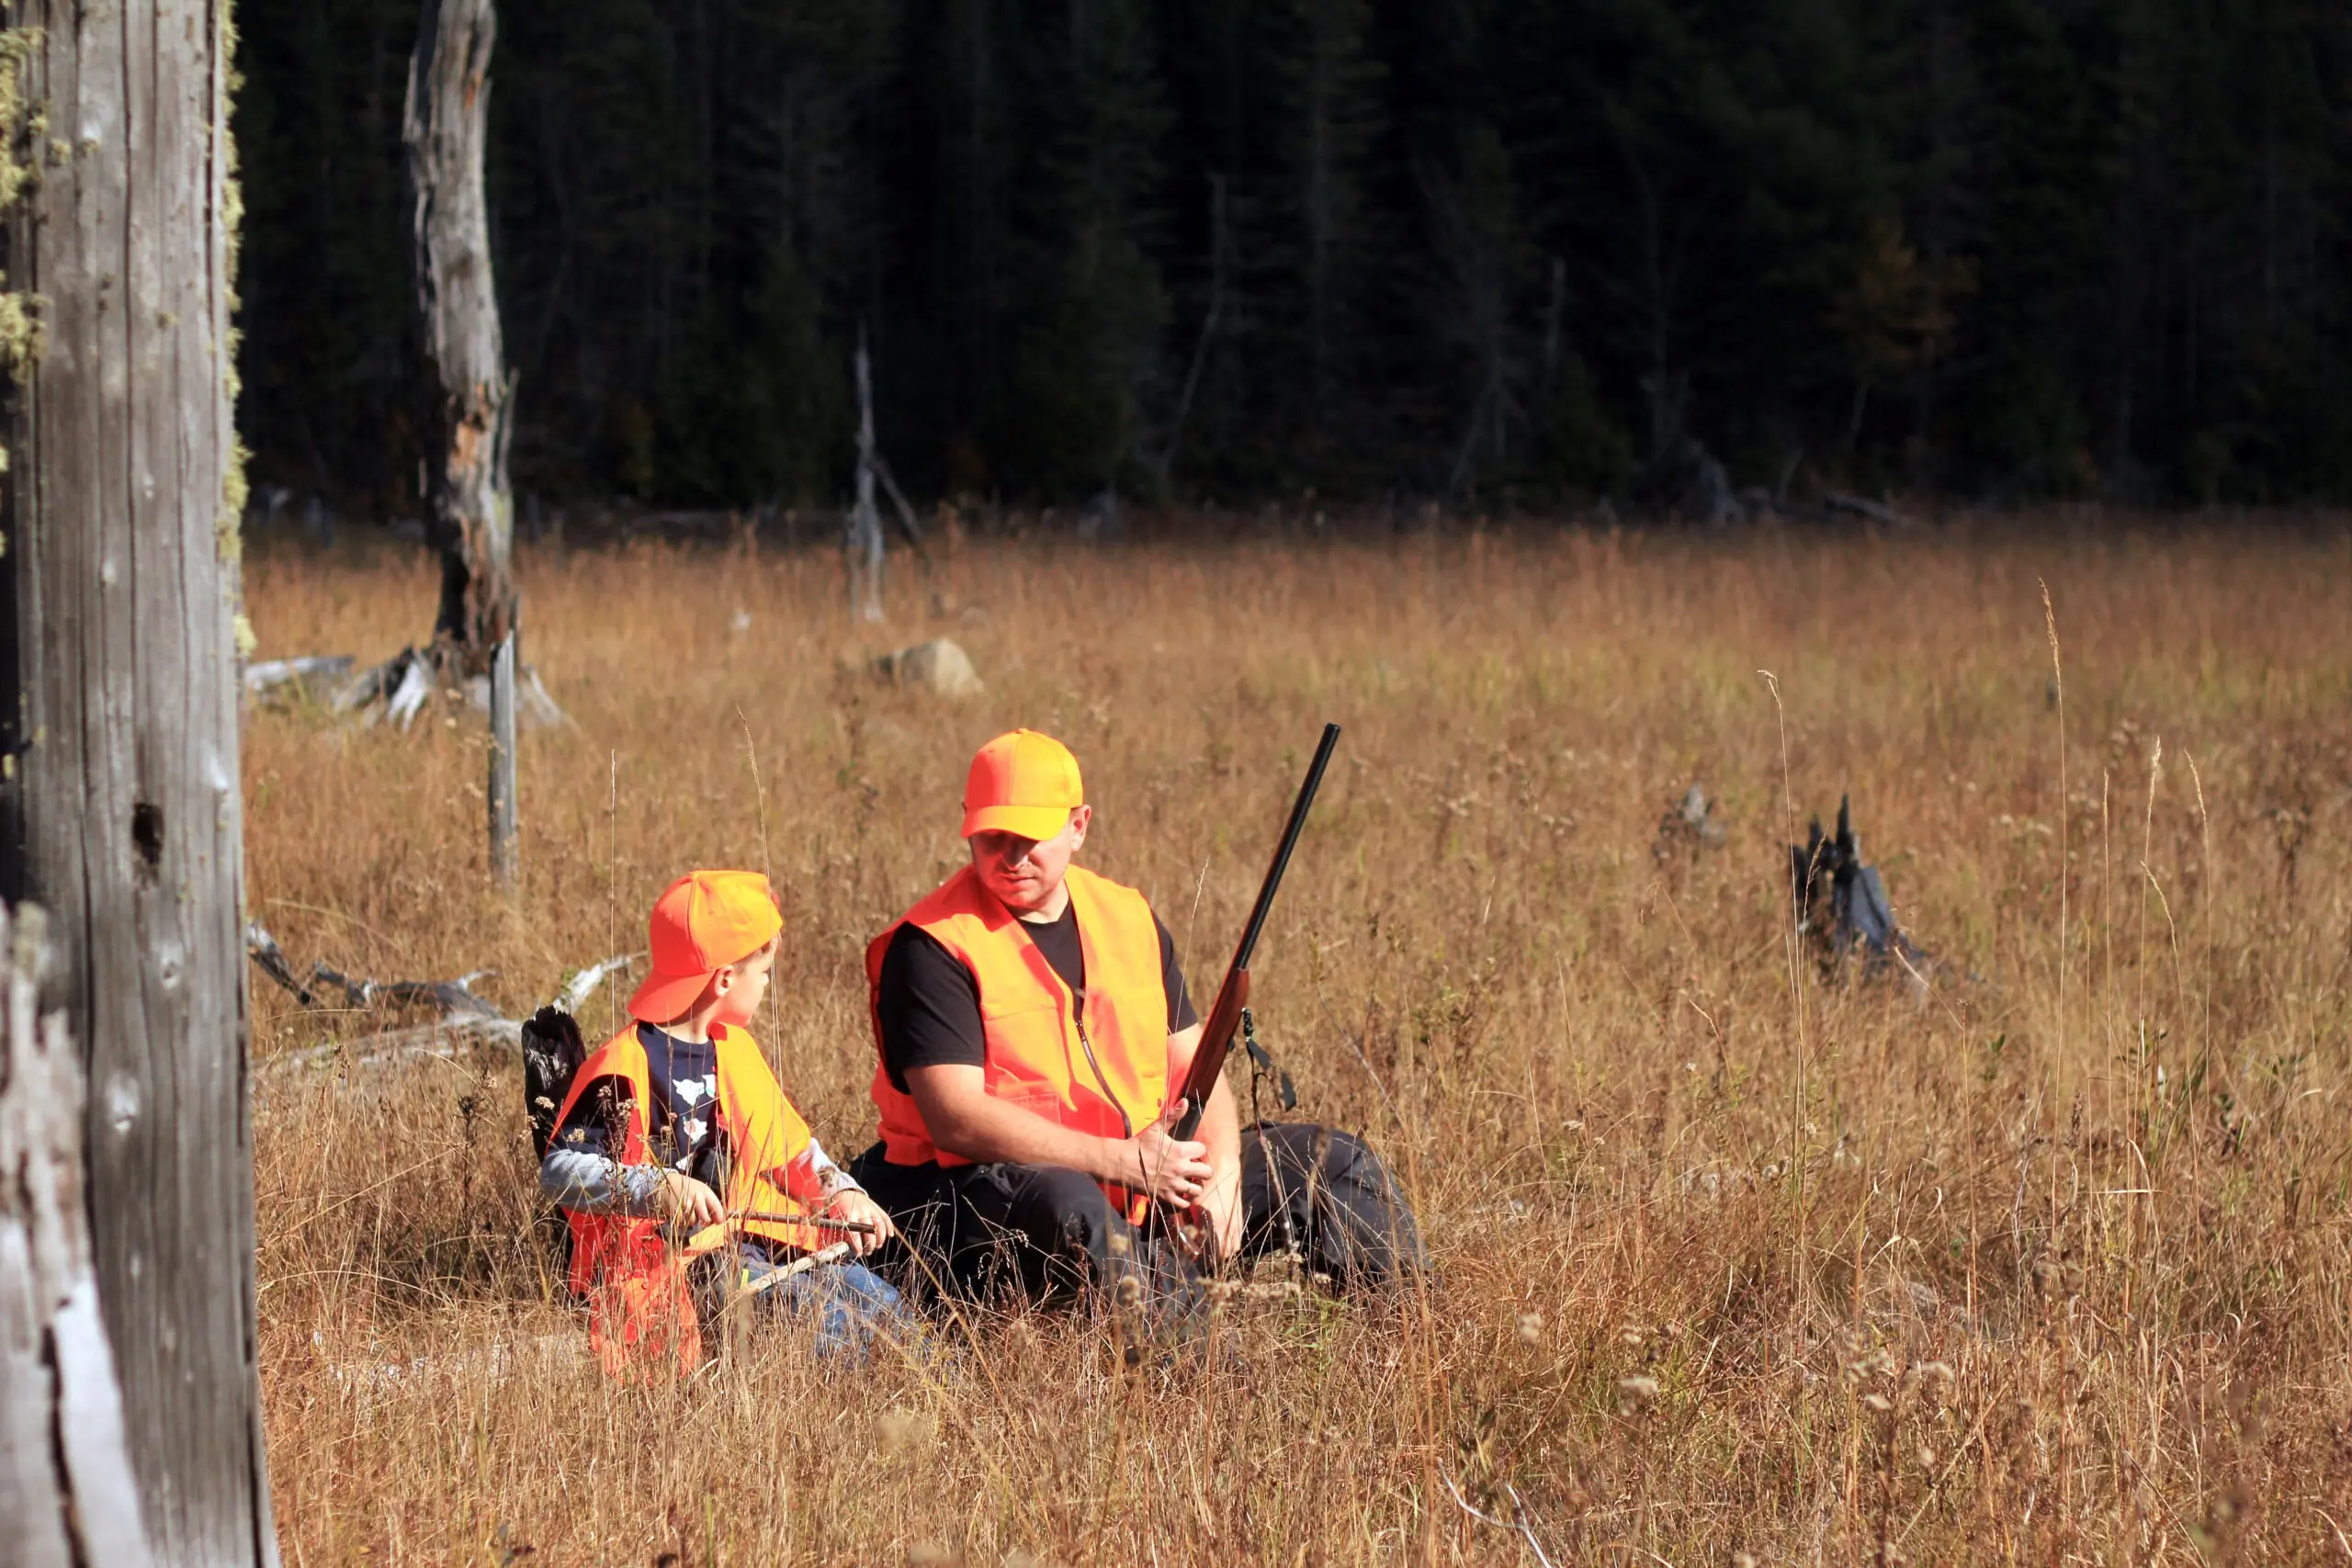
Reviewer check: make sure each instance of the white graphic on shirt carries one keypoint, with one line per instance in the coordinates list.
(690, 1097)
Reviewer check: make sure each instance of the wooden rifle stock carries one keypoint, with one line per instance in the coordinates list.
(1223, 1022)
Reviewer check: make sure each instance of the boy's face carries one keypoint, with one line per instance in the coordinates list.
(740, 987)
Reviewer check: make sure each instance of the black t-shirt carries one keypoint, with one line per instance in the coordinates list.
(929, 1004)
(682, 1077)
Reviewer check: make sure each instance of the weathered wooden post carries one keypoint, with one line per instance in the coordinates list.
(469, 509)
(119, 727)
(502, 765)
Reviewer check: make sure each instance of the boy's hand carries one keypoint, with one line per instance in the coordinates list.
(683, 1198)
(852, 1205)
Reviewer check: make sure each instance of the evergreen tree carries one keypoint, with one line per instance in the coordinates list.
(1540, 234)
(1072, 411)
(1330, 118)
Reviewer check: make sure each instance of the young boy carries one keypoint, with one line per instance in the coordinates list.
(676, 1128)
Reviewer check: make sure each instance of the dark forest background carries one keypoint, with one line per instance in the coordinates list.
(2001, 248)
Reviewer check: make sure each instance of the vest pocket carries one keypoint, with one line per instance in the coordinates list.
(1016, 1010)
(1042, 1099)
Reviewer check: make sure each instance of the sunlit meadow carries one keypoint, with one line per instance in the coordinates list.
(1734, 1255)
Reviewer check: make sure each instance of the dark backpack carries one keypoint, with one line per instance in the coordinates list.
(552, 1054)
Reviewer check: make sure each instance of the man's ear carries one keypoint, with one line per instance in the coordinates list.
(1079, 818)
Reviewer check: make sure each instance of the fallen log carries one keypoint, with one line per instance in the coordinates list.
(305, 675)
(464, 1020)
(1861, 506)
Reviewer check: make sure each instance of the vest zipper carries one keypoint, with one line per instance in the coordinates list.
(1078, 1013)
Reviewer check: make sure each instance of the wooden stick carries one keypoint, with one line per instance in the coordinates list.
(852, 1227)
(775, 1277)
(711, 1236)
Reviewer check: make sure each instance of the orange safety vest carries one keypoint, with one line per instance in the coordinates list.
(634, 1279)
(1102, 1070)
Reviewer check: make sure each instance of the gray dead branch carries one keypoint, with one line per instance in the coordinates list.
(464, 1020)
(940, 667)
(1519, 1523)
(535, 1356)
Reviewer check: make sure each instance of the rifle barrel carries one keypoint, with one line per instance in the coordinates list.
(1290, 829)
(1223, 1020)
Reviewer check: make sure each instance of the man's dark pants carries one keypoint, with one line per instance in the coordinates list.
(1047, 1233)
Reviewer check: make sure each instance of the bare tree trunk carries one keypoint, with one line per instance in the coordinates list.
(123, 501)
(67, 1486)
(1219, 254)
(472, 514)
(862, 542)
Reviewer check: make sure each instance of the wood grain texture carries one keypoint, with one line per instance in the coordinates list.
(121, 545)
(446, 128)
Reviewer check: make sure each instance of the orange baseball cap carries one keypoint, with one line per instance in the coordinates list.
(702, 922)
(1024, 784)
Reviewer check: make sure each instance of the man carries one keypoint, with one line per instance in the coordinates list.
(1034, 1031)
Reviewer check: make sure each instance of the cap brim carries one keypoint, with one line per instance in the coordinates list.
(1035, 822)
(666, 996)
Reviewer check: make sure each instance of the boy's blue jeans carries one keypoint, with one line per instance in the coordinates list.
(850, 1306)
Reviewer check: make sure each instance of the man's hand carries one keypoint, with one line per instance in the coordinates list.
(852, 1205)
(684, 1199)
(1175, 1171)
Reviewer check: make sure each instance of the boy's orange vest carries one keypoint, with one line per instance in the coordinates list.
(635, 1282)
(1102, 1070)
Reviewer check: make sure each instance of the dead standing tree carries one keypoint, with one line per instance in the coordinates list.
(121, 804)
(862, 542)
(471, 511)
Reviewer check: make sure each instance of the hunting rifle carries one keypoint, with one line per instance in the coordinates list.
(1223, 1022)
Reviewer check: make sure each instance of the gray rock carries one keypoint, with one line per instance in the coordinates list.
(940, 667)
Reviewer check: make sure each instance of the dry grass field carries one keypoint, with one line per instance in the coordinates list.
(1734, 1257)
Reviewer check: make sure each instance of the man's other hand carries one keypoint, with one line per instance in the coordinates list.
(1222, 1204)
(1175, 1171)
(855, 1206)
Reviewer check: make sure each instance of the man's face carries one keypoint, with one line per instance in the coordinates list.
(746, 983)
(1026, 874)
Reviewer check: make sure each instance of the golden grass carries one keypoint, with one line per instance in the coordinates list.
(2054, 1267)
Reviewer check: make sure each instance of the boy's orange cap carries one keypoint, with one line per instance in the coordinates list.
(1024, 784)
(702, 922)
